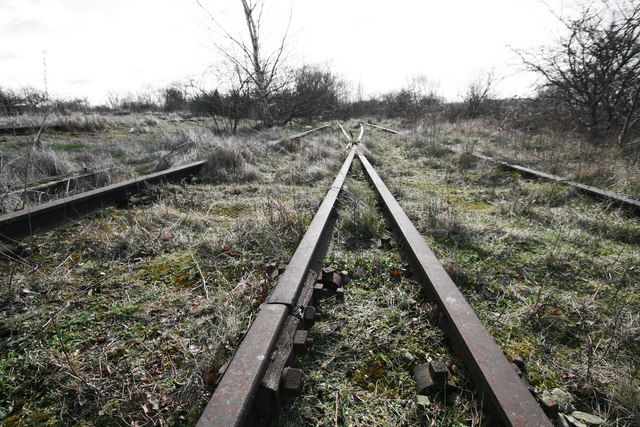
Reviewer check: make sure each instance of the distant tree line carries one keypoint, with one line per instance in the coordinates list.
(591, 85)
(592, 75)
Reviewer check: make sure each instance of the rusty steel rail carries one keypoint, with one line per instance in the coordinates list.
(625, 201)
(64, 185)
(250, 388)
(17, 225)
(300, 135)
(18, 130)
(350, 137)
(344, 132)
(233, 399)
(382, 128)
(361, 134)
(307, 132)
(30, 129)
(290, 284)
(500, 384)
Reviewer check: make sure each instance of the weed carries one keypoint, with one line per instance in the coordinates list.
(71, 146)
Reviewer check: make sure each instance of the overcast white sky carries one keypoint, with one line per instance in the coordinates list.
(97, 46)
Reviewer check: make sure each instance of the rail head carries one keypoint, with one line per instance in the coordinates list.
(46, 216)
(307, 132)
(299, 135)
(344, 132)
(361, 134)
(493, 374)
(230, 404)
(382, 128)
(290, 284)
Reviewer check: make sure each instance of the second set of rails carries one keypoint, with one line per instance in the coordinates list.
(247, 393)
(261, 371)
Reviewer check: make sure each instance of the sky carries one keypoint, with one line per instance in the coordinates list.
(93, 48)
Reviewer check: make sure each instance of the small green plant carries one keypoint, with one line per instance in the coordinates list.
(226, 164)
(70, 146)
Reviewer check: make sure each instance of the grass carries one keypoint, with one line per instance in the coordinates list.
(123, 318)
(604, 166)
(553, 274)
(359, 371)
(71, 146)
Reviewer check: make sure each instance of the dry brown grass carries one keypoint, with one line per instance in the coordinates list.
(552, 273)
(607, 166)
(126, 317)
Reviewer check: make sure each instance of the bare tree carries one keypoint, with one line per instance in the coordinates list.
(316, 93)
(595, 67)
(478, 92)
(114, 100)
(264, 70)
(423, 87)
(226, 104)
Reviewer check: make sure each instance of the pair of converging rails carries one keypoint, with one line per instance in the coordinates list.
(250, 388)
(46, 216)
(35, 219)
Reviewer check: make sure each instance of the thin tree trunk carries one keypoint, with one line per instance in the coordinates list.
(630, 118)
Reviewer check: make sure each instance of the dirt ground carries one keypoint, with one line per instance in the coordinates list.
(125, 318)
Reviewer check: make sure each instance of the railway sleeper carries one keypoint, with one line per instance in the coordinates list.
(281, 379)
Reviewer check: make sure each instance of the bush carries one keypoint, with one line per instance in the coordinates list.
(80, 123)
(174, 99)
(226, 164)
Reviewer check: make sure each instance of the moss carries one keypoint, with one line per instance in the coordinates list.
(70, 146)
(477, 205)
(176, 269)
(231, 210)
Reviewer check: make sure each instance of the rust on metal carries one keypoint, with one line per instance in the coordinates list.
(510, 399)
(292, 280)
(230, 403)
(344, 132)
(57, 185)
(31, 220)
(292, 381)
(268, 399)
(361, 134)
(301, 341)
(26, 130)
(382, 128)
(594, 191)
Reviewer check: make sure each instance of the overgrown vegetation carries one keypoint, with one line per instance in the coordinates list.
(553, 274)
(126, 318)
(359, 371)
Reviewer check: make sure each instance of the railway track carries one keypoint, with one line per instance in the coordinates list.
(395, 132)
(15, 226)
(261, 371)
(47, 216)
(606, 195)
(47, 190)
(349, 136)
